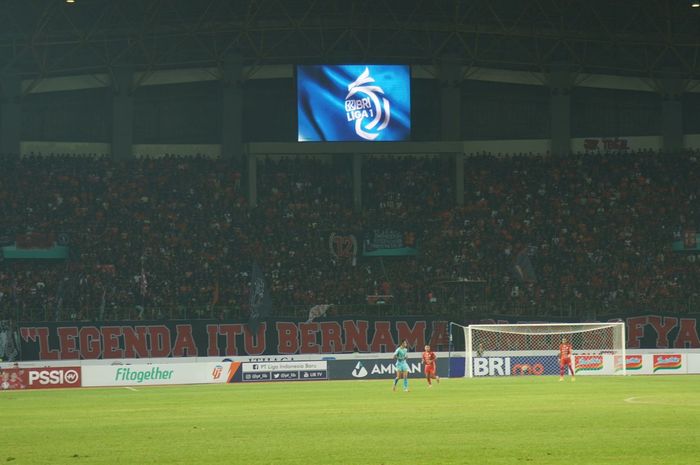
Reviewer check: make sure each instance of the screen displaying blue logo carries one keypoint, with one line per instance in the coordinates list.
(354, 103)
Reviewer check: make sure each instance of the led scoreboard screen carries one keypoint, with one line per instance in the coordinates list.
(353, 102)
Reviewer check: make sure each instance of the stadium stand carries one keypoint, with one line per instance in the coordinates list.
(173, 237)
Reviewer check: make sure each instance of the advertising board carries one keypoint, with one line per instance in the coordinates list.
(383, 368)
(158, 374)
(283, 371)
(538, 365)
(40, 378)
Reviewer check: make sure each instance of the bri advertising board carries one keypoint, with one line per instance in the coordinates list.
(540, 365)
(515, 366)
(158, 374)
(40, 378)
(586, 364)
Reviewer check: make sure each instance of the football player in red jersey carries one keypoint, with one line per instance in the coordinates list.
(430, 369)
(566, 354)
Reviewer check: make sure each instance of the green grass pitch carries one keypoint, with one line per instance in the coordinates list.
(514, 420)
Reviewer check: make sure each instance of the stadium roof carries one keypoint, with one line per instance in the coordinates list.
(43, 38)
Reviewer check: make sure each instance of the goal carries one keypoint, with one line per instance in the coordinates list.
(533, 349)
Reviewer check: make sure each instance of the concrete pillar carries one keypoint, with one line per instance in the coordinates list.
(232, 108)
(357, 181)
(459, 179)
(10, 114)
(450, 78)
(671, 89)
(561, 80)
(122, 114)
(252, 180)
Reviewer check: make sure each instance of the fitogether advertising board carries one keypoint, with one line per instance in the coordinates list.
(354, 103)
(159, 374)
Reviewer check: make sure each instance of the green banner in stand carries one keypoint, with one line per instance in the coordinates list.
(58, 252)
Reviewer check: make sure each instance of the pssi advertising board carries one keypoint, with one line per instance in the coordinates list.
(40, 378)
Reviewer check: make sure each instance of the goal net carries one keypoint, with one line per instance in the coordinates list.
(533, 349)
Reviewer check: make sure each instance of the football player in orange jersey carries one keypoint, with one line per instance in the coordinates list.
(430, 367)
(566, 354)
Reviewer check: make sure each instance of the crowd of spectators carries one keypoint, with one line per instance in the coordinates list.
(596, 228)
(175, 237)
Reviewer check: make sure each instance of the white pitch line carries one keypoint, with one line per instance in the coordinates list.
(131, 389)
(649, 400)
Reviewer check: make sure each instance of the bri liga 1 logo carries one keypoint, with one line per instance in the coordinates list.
(363, 106)
(667, 362)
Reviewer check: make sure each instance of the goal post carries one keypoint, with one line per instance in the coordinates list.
(533, 349)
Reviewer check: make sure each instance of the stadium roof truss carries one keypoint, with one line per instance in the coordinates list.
(646, 38)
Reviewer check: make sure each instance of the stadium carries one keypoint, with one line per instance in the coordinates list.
(325, 232)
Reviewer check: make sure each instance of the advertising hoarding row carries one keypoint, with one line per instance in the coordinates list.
(317, 370)
(205, 373)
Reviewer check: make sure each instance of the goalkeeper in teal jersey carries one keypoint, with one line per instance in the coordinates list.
(400, 355)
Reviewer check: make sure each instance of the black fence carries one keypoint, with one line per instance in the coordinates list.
(573, 310)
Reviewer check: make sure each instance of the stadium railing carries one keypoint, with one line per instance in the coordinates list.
(492, 309)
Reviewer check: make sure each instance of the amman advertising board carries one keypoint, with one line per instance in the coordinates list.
(382, 368)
